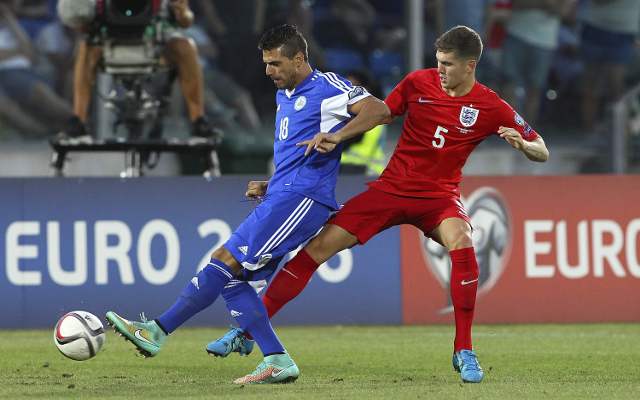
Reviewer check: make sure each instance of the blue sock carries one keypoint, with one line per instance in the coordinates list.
(203, 290)
(250, 313)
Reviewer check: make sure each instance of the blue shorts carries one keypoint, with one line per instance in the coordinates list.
(279, 225)
(601, 46)
(525, 65)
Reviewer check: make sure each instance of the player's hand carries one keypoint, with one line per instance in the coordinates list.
(512, 137)
(321, 142)
(256, 190)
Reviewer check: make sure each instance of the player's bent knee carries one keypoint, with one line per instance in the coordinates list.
(222, 254)
(461, 242)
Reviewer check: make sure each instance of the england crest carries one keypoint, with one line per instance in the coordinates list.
(468, 116)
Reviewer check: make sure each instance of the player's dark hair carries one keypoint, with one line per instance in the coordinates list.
(287, 38)
(462, 41)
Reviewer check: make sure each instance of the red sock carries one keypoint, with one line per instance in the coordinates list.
(463, 286)
(289, 282)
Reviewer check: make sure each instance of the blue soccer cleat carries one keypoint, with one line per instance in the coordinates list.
(232, 342)
(466, 362)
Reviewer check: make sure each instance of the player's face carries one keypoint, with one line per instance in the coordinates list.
(454, 72)
(281, 69)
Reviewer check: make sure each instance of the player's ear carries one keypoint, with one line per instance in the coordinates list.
(298, 59)
(471, 65)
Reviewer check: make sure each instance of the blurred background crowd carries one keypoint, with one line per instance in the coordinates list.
(564, 65)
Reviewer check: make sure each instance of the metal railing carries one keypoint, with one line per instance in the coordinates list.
(625, 127)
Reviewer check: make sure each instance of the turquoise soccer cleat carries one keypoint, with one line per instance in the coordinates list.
(147, 336)
(276, 368)
(232, 342)
(466, 362)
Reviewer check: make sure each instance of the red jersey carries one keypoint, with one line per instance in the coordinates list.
(439, 133)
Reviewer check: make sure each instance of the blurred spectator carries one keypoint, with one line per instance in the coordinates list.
(471, 13)
(33, 15)
(364, 154)
(58, 43)
(22, 90)
(179, 52)
(532, 38)
(566, 71)
(240, 27)
(226, 101)
(610, 27)
(495, 31)
(349, 24)
(300, 14)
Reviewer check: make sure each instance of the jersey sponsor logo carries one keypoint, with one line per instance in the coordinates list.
(519, 120)
(490, 217)
(527, 130)
(468, 116)
(278, 108)
(300, 103)
(424, 101)
(356, 91)
(235, 313)
(195, 282)
(464, 130)
(244, 249)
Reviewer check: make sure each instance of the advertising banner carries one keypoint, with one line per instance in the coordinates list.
(132, 245)
(550, 250)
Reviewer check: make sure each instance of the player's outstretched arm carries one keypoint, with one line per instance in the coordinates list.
(535, 150)
(370, 112)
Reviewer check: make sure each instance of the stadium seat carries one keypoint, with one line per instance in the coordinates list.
(341, 61)
(386, 63)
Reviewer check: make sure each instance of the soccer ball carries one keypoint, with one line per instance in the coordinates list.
(79, 335)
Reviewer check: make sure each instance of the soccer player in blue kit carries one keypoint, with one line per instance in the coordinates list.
(293, 205)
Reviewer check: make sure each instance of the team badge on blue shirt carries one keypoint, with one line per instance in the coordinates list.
(300, 103)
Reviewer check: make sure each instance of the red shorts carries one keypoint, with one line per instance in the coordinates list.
(374, 211)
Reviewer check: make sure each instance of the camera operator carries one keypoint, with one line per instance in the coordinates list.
(179, 52)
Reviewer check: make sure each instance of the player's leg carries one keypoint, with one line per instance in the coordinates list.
(455, 235)
(282, 222)
(358, 220)
(202, 291)
(294, 275)
(248, 310)
(287, 284)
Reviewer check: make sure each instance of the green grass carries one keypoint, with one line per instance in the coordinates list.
(399, 362)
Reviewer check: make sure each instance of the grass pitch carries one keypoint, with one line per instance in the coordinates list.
(401, 362)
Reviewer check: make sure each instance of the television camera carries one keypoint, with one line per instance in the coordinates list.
(133, 35)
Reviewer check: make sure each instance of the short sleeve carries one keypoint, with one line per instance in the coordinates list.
(396, 101)
(510, 118)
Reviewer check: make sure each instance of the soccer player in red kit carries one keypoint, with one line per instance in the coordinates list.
(448, 115)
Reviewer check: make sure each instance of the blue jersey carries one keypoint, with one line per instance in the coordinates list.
(318, 104)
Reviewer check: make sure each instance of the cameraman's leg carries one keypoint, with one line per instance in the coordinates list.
(84, 78)
(182, 54)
